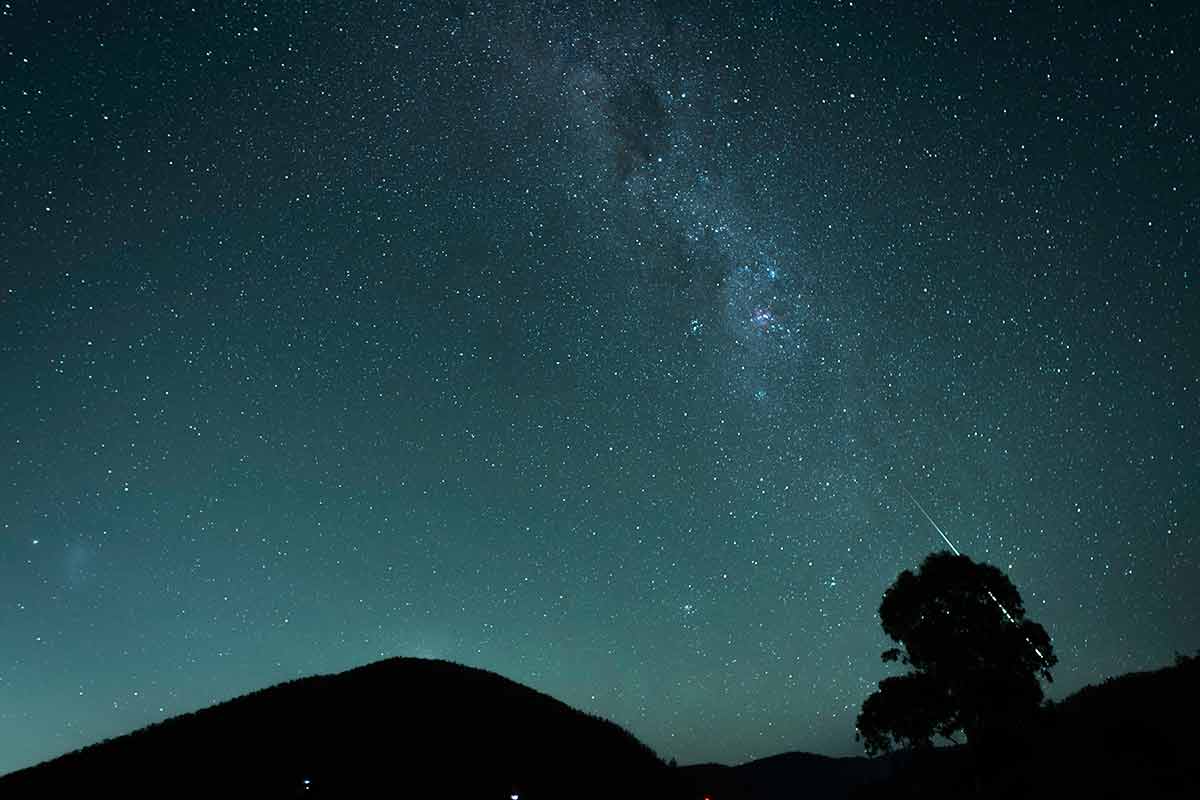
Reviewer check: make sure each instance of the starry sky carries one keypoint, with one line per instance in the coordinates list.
(589, 343)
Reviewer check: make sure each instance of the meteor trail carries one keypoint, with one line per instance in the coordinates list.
(945, 538)
(954, 549)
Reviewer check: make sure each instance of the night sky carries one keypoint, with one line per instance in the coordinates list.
(587, 344)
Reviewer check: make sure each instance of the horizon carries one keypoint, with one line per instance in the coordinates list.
(665, 758)
(593, 346)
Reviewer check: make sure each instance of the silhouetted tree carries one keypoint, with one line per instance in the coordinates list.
(976, 660)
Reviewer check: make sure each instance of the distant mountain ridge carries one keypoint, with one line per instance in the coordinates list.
(787, 776)
(390, 728)
(1128, 737)
(415, 727)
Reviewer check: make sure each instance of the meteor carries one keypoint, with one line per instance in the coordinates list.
(941, 533)
(954, 549)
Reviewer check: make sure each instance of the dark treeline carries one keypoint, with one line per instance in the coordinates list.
(1128, 737)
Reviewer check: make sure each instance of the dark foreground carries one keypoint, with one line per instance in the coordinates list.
(418, 728)
(395, 728)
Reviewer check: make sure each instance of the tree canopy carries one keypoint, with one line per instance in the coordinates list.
(976, 661)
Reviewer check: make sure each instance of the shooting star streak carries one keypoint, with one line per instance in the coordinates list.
(954, 549)
(941, 533)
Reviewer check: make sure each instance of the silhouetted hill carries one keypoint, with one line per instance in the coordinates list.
(1125, 738)
(789, 776)
(1128, 737)
(1131, 736)
(412, 727)
(401, 727)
